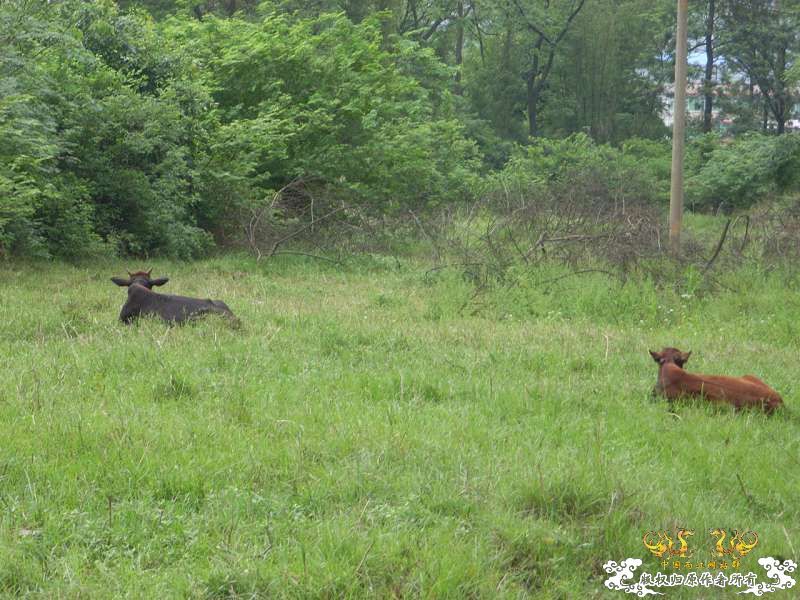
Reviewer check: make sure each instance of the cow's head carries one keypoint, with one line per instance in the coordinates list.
(140, 278)
(671, 355)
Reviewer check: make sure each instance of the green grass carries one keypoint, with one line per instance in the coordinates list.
(373, 432)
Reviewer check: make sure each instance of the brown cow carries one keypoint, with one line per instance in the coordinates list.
(742, 392)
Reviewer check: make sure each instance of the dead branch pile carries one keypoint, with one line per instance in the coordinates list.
(766, 237)
(774, 231)
(583, 221)
(579, 222)
(310, 217)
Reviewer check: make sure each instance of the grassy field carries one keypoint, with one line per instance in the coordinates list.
(375, 431)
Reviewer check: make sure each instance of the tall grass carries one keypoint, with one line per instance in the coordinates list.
(373, 431)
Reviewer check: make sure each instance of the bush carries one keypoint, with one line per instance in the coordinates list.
(739, 173)
(327, 99)
(98, 137)
(617, 175)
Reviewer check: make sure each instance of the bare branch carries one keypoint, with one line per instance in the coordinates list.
(719, 246)
(297, 232)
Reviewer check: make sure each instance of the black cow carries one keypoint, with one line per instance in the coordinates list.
(142, 300)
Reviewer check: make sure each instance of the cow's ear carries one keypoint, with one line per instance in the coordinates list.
(121, 282)
(685, 357)
(656, 356)
(159, 281)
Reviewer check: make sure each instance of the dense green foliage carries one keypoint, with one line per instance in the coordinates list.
(331, 99)
(725, 175)
(548, 160)
(140, 138)
(161, 128)
(104, 114)
(739, 174)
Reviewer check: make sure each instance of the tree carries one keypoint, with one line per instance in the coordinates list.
(703, 24)
(329, 99)
(611, 72)
(761, 39)
(545, 25)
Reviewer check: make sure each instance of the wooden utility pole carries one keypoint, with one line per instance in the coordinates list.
(678, 130)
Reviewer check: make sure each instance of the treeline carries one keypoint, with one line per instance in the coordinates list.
(117, 131)
(156, 127)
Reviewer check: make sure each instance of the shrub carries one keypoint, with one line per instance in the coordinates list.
(328, 99)
(740, 173)
(98, 135)
(617, 175)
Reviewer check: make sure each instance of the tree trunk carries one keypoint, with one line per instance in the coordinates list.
(478, 33)
(781, 100)
(780, 113)
(534, 88)
(507, 48)
(533, 104)
(707, 84)
(413, 7)
(459, 45)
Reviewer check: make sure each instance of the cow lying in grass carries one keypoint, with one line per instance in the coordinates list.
(741, 392)
(142, 300)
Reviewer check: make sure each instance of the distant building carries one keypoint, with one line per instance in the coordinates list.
(695, 103)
